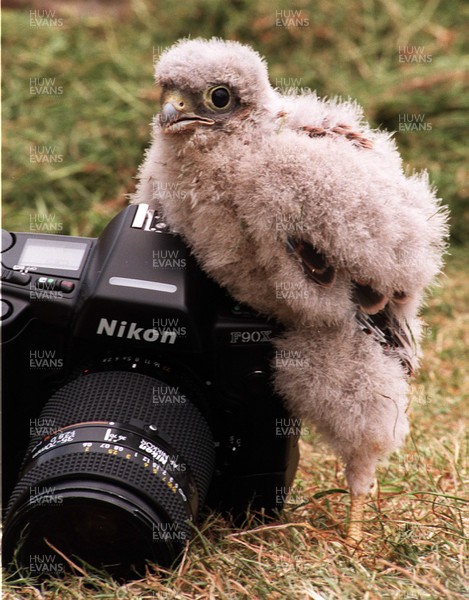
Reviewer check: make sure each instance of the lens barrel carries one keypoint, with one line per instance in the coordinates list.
(117, 483)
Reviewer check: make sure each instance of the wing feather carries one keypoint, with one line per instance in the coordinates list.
(374, 314)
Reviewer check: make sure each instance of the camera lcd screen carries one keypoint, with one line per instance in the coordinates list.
(52, 254)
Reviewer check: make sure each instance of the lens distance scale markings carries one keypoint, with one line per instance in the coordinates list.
(125, 441)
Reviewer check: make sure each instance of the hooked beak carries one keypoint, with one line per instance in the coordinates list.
(177, 114)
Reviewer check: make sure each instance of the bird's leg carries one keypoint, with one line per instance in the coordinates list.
(355, 528)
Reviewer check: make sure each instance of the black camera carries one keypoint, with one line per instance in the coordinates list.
(136, 391)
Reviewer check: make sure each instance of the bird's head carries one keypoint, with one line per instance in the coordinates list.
(210, 85)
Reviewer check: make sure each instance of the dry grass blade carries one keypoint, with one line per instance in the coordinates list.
(69, 561)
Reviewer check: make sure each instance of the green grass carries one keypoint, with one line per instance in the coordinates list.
(99, 126)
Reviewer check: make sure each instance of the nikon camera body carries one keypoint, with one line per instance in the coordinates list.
(135, 392)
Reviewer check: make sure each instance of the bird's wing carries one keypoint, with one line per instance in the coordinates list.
(374, 314)
(319, 118)
(317, 268)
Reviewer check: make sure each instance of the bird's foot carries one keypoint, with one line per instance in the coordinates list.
(355, 528)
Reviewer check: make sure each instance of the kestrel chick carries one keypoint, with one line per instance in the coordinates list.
(303, 212)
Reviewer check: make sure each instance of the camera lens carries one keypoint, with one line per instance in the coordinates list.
(116, 483)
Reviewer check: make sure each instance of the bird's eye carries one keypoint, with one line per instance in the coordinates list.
(218, 97)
